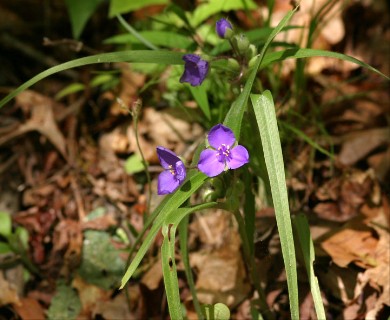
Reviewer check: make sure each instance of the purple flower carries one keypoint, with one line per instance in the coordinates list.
(222, 26)
(173, 175)
(223, 156)
(195, 69)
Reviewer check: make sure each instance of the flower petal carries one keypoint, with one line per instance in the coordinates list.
(209, 164)
(167, 157)
(219, 135)
(221, 26)
(166, 183)
(194, 58)
(180, 171)
(239, 157)
(195, 69)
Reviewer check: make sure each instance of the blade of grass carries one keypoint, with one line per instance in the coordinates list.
(302, 231)
(146, 56)
(134, 32)
(264, 110)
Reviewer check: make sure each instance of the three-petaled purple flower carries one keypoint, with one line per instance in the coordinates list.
(222, 26)
(224, 154)
(195, 69)
(174, 171)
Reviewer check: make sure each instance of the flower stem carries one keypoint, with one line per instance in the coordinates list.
(134, 112)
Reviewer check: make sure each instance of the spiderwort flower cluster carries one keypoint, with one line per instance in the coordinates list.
(223, 155)
(223, 152)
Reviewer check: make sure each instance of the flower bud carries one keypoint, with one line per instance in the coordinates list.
(224, 29)
(251, 52)
(241, 43)
(233, 64)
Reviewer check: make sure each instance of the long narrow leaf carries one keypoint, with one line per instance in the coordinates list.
(200, 95)
(266, 120)
(308, 53)
(170, 272)
(169, 227)
(234, 117)
(302, 229)
(146, 56)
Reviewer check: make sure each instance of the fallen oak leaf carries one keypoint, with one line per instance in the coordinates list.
(42, 120)
(354, 242)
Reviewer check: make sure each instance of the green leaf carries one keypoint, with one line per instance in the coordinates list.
(209, 8)
(80, 12)
(134, 164)
(5, 224)
(4, 248)
(264, 110)
(171, 202)
(308, 53)
(159, 38)
(100, 264)
(255, 36)
(23, 236)
(170, 272)
(169, 227)
(65, 304)
(302, 232)
(234, 117)
(219, 311)
(72, 88)
(145, 56)
(200, 95)
(135, 33)
(121, 6)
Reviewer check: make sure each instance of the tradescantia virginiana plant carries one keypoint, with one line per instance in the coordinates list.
(224, 149)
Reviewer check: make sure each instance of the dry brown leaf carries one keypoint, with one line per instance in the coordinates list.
(29, 309)
(131, 81)
(116, 308)
(380, 274)
(355, 242)
(90, 295)
(42, 120)
(152, 278)
(100, 223)
(345, 195)
(360, 144)
(221, 276)
(162, 128)
(8, 292)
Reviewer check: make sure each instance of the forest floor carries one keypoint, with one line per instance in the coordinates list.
(63, 177)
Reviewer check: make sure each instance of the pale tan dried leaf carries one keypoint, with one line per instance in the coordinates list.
(354, 242)
(152, 278)
(8, 292)
(360, 144)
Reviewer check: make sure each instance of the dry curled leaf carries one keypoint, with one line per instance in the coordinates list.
(355, 242)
